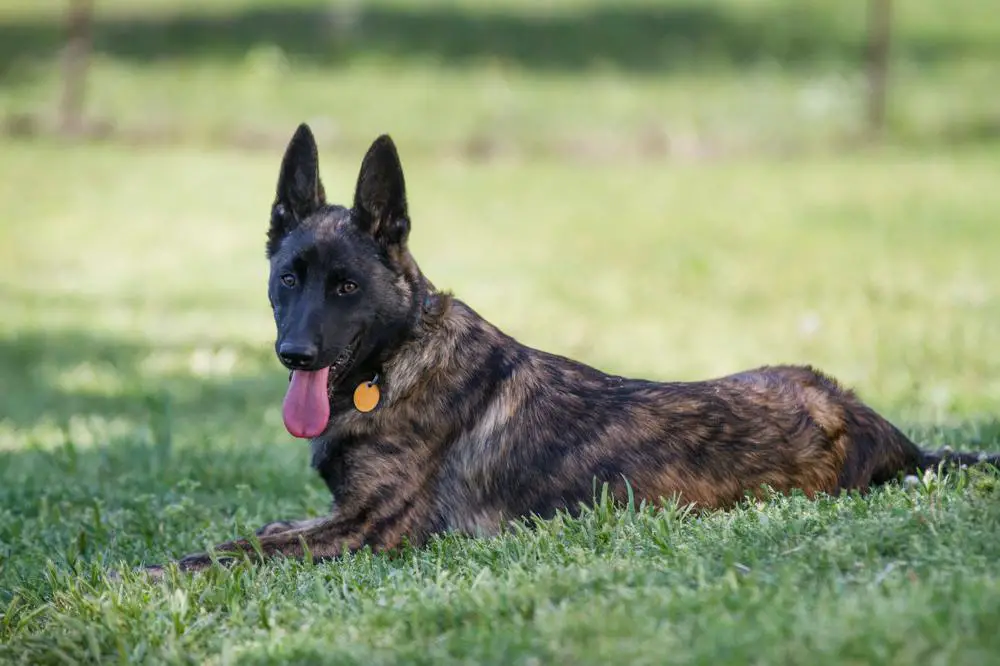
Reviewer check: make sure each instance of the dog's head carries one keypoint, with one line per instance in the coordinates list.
(342, 285)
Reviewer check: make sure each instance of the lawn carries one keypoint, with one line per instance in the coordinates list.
(590, 77)
(140, 398)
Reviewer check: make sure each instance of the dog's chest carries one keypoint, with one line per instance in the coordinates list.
(330, 453)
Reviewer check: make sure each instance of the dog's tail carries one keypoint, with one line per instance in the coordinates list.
(949, 458)
(919, 459)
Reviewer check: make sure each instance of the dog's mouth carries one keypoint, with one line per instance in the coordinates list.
(306, 409)
(344, 361)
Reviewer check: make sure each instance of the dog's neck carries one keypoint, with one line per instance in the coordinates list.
(428, 307)
(419, 351)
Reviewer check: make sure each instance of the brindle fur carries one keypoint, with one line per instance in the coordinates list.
(475, 429)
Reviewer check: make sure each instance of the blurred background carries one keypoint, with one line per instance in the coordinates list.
(685, 78)
(671, 189)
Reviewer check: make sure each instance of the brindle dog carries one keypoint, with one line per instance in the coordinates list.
(425, 418)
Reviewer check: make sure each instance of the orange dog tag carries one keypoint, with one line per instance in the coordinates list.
(366, 396)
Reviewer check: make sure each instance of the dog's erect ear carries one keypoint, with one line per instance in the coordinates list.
(300, 191)
(380, 196)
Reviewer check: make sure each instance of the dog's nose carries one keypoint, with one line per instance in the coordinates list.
(297, 355)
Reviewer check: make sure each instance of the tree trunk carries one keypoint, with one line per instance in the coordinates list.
(879, 34)
(76, 57)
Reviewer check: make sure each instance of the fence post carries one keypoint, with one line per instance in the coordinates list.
(76, 57)
(879, 36)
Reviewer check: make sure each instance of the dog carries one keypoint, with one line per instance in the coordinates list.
(425, 418)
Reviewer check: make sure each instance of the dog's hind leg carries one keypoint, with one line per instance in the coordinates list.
(881, 453)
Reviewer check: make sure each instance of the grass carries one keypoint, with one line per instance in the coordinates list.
(507, 74)
(140, 410)
(139, 396)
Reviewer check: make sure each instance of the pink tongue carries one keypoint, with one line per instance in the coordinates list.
(306, 409)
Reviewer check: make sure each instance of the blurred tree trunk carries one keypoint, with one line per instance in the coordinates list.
(879, 35)
(76, 57)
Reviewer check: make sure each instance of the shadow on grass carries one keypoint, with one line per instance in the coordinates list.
(57, 375)
(100, 456)
(650, 39)
(126, 500)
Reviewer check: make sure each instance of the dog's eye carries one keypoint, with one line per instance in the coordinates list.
(347, 287)
(288, 280)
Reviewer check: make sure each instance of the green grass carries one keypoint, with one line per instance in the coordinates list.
(590, 77)
(139, 403)
(140, 399)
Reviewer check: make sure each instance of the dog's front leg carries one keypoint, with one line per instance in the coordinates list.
(321, 539)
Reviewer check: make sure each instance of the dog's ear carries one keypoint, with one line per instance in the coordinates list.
(300, 191)
(380, 195)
